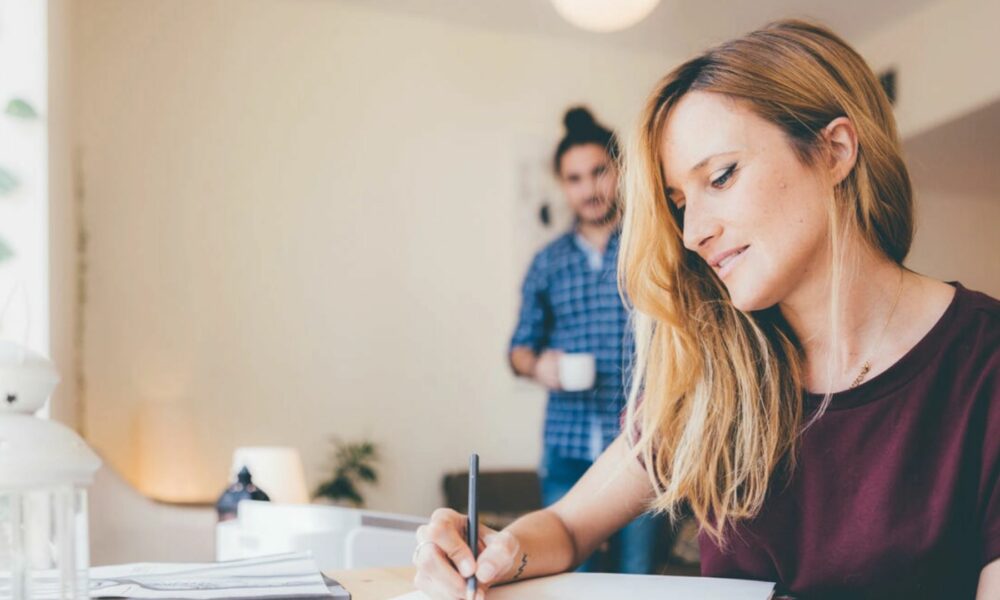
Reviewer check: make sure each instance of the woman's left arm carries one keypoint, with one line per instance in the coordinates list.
(989, 582)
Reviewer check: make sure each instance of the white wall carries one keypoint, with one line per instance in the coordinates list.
(301, 219)
(945, 55)
(24, 285)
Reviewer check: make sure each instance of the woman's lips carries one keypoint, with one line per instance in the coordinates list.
(727, 264)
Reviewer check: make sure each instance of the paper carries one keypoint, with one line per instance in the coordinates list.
(279, 576)
(284, 576)
(601, 586)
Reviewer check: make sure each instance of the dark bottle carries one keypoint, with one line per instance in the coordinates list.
(243, 489)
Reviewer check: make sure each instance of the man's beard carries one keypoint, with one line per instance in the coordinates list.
(608, 217)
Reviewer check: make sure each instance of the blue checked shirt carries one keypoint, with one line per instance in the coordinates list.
(570, 302)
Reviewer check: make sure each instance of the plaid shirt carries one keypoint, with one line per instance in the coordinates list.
(569, 305)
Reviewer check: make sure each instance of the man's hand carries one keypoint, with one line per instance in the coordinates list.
(547, 369)
(543, 368)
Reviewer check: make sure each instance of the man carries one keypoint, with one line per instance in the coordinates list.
(570, 303)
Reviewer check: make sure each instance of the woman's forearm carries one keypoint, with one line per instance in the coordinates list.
(546, 546)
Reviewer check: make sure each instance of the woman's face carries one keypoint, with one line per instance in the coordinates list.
(752, 210)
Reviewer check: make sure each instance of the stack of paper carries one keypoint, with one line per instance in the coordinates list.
(283, 575)
(601, 586)
(278, 576)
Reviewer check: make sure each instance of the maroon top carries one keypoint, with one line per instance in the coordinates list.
(897, 489)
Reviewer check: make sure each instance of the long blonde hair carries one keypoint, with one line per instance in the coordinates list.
(715, 402)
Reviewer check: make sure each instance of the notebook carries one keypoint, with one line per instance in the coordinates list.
(601, 586)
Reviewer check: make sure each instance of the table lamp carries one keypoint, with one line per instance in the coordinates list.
(277, 470)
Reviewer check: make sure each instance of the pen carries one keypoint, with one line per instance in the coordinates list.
(473, 528)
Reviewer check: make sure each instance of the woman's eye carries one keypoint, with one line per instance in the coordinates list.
(721, 181)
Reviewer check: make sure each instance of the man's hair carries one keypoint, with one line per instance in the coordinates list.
(581, 129)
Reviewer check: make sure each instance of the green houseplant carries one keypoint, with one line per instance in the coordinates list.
(354, 465)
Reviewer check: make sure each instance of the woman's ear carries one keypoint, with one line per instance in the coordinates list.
(842, 144)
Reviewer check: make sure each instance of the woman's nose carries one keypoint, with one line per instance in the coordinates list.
(699, 228)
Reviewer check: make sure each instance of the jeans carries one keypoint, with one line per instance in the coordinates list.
(633, 548)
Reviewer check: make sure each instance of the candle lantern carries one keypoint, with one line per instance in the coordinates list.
(45, 468)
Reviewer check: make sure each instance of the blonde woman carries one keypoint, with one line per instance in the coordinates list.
(831, 418)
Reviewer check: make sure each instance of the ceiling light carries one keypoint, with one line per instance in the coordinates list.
(604, 15)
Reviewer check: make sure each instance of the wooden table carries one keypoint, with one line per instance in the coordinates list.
(375, 584)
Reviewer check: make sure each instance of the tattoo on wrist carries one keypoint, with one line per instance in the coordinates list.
(520, 569)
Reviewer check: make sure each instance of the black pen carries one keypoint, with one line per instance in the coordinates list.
(473, 527)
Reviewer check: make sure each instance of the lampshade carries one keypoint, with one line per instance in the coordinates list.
(604, 15)
(275, 469)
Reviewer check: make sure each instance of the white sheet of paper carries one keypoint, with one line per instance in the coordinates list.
(601, 586)
(284, 575)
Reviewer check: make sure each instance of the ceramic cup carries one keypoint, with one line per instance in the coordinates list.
(576, 371)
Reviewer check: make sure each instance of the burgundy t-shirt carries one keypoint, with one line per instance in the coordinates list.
(897, 490)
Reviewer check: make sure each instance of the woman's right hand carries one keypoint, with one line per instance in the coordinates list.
(444, 561)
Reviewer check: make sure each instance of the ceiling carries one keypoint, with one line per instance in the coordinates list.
(675, 28)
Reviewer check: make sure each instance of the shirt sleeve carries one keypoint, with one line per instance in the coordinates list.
(535, 320)
(990, 476)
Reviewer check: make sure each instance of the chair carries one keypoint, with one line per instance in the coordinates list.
(503, 495)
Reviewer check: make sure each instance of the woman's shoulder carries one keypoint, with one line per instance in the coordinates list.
(961, 344)
(976, 336)
(981, 305)
(978, 316)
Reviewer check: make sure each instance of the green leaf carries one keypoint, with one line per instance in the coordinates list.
(340, 489)
(353, 464)
(367, 473)
(21, 109)
(8, 183)
(5, 251)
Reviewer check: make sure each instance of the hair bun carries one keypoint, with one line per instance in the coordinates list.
(579, 119)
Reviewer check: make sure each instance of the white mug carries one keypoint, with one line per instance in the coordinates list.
(576, 371)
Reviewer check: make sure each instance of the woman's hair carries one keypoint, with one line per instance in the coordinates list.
(715, 402)
(581, 128)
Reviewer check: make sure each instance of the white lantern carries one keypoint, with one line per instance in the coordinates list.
(604, 15)
(44, 470)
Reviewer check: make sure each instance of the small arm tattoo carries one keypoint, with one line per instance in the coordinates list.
(520, 569)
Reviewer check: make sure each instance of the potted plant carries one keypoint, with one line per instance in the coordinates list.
(354, 466)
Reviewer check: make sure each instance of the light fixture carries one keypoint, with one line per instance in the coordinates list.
(604, 15)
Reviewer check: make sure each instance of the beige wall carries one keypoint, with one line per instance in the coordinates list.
(956, 239)
(62, 212)
(301, 220)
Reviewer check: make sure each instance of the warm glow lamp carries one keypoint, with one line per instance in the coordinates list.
(604, 15)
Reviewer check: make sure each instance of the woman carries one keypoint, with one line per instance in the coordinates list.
(831, 418)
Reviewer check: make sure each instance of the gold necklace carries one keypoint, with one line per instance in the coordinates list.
(868, 363)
